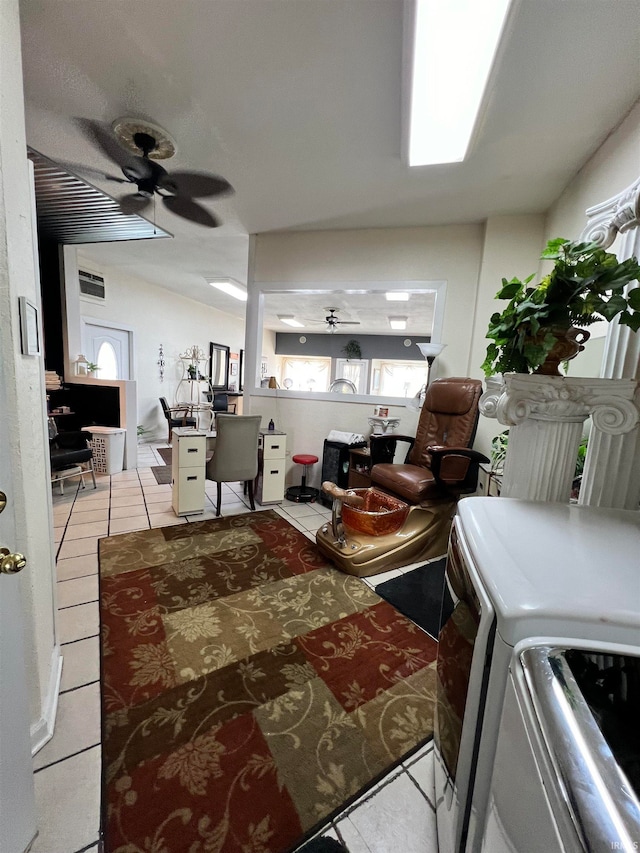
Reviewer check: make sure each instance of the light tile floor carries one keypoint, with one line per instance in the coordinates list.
(397, 814)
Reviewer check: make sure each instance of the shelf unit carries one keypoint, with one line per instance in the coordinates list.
(359, 468)
(195, 379)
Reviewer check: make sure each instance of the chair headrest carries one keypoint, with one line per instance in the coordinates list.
(452, 396)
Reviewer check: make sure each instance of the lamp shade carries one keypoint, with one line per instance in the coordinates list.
(430, 350)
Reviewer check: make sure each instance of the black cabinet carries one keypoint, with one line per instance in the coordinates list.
(335, 465)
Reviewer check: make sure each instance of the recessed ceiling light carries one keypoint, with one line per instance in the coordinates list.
(229, 287)
(290, 320)
(398, 323)
(455, 44)
(396, 296)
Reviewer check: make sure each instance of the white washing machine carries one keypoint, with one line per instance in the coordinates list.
(566, 773)
(518, 570)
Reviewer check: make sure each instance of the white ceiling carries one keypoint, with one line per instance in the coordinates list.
(298, 103)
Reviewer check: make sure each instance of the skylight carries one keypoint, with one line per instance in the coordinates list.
(455, 43)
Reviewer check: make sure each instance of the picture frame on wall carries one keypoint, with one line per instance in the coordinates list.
(29, 327)
(233, 368)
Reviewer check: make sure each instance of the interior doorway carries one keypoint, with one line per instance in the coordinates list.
(110, 347)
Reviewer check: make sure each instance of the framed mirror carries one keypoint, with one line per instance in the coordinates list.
(219, 366)
(241, 372)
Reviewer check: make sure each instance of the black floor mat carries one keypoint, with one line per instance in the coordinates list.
(419, 595)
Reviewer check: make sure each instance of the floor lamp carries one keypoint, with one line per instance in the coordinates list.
(430, 352)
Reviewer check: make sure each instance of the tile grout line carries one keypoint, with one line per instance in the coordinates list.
(78, 686)
(79, 640)
(66, 757)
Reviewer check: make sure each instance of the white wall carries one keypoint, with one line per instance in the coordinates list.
(472, 259)
(158, 316)
(451, 253)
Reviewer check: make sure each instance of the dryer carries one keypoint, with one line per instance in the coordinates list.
(518, 570)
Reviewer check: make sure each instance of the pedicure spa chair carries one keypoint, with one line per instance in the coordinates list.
(406, 514)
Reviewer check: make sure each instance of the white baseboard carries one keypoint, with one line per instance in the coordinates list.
(42, 730)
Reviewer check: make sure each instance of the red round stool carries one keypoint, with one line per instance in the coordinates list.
(303, 493)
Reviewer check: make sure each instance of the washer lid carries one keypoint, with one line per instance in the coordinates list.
(556, 569)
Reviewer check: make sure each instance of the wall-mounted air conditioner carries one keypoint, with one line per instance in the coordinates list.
(92, 286)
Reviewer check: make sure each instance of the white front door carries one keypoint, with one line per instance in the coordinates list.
(17, 805)
(109, 348)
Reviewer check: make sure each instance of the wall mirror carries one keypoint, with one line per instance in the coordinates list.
(387, 318)
(219, 366)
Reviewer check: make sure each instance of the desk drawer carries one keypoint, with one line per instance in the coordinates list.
(188, 491)
(274, 446)
(191, 451)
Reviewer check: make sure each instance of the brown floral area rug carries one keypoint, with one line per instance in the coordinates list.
(250, 690)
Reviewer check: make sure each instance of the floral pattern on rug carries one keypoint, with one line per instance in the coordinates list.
(250, 690)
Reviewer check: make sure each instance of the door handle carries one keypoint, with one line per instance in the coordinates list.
(3, 501)
(11, 564)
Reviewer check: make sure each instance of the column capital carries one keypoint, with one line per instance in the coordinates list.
(612, 217)
(515, 398)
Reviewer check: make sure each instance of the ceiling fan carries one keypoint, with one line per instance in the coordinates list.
(332, 321)
(149, 143)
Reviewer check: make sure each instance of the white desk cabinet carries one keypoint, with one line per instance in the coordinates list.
(188, 460)
(272, 445)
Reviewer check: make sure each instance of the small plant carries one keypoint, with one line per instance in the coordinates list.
(499, 450)
(352, 349)
(586, 284)
(92, 368)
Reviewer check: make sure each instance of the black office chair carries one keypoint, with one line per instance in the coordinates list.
(70, 456)
(177, 416)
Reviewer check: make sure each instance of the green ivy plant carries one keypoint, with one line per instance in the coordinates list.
(586, 284)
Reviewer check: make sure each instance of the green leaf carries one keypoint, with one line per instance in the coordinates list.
(633, 297)
(631, 320)
(614, 306)
(510, 289)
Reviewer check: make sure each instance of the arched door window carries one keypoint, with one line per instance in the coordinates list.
(107, 361)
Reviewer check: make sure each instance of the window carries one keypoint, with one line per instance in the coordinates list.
(305, 374)
(107, 361)
(398, 378)
(355, 371)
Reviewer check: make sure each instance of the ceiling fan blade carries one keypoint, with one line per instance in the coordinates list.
(134, 203)
(191, 210)
(79, 170)
(101, 135)
(348, 322)
(196, 185)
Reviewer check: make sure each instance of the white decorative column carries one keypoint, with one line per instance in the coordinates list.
(611, 475)
(546, 415)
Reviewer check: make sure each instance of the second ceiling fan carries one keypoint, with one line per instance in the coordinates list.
(333, 321)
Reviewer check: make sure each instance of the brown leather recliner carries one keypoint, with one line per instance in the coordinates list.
(439, 464)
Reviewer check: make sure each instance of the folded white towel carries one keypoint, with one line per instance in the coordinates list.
(345, 437)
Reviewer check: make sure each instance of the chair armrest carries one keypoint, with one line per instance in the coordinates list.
(383, 447)
(453, 466)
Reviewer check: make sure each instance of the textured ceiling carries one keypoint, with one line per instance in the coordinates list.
(299, 105)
